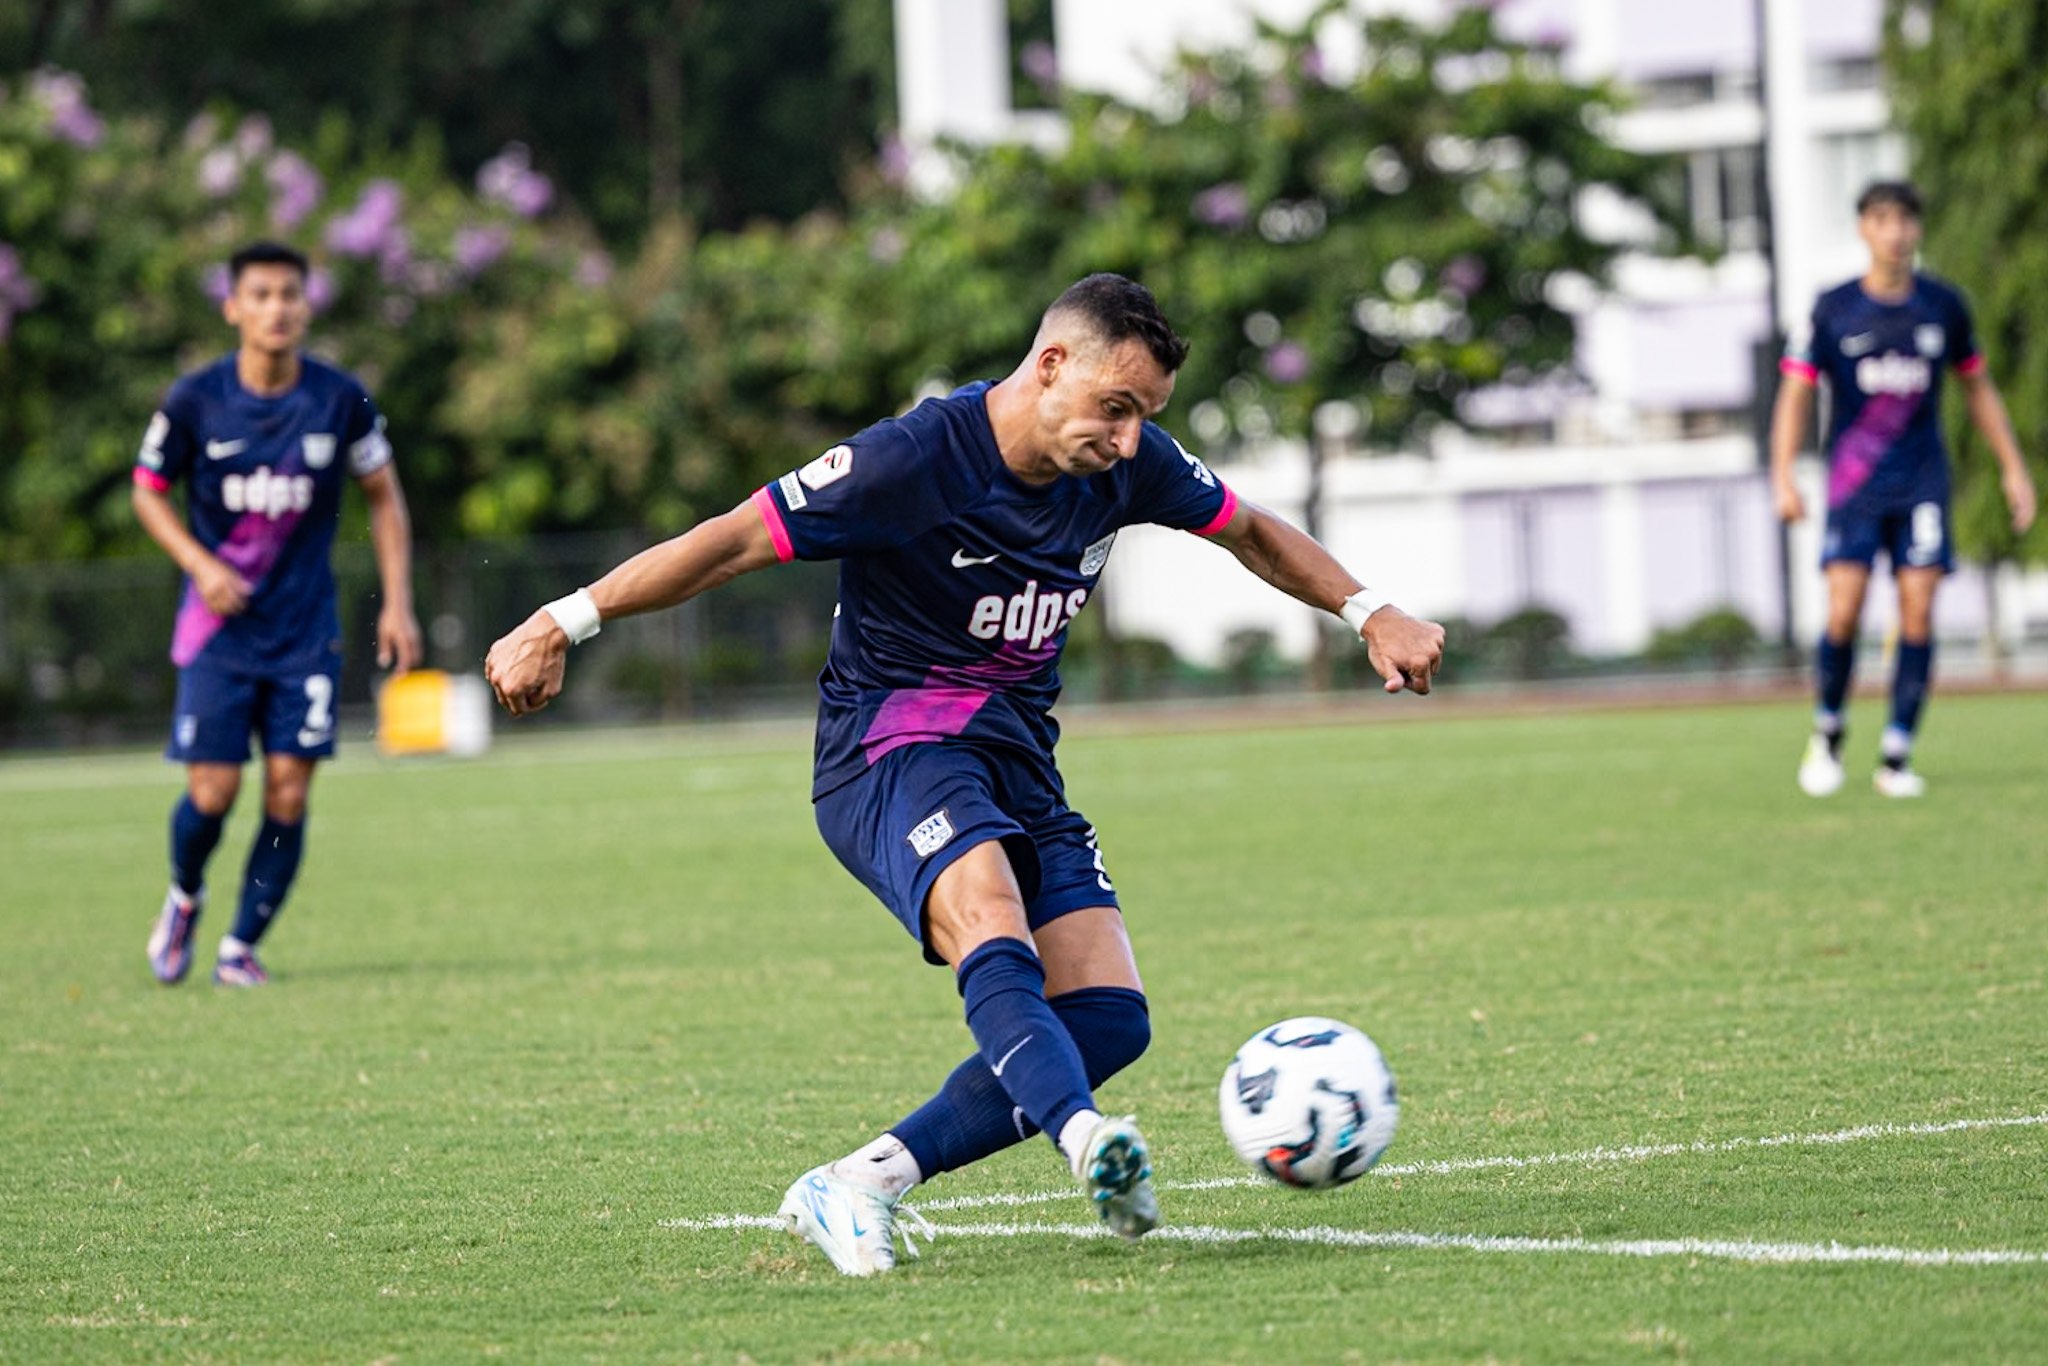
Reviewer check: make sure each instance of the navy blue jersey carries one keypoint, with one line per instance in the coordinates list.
(264, 482)
(957, 580)
(1883, 363)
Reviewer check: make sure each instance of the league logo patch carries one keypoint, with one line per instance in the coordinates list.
(152, 453)
(828, 468)
(319, 449)
(1929, 338)
(1097, 555)
(931, 834)
(792, 492)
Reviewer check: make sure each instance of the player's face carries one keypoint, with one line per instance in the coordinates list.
(268, 307)
(1892, 232)
(1096, 402)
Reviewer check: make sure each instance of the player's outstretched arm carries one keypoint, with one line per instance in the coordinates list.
(1788, 428)
(219, 587)
(1987, 411)
(398, 628)
(525, 667)
(1405, 651)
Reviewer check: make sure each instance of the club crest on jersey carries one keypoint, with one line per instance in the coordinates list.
(828, 468)
(319, 449)
(1097, 555)
(931, 834)
(1928, 339)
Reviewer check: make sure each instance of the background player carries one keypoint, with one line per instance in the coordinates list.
(264, 439)
(1881, 342)
(969, 533)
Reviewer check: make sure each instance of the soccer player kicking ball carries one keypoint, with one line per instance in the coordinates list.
(969, 534)
(1882, 342)
(264, 439)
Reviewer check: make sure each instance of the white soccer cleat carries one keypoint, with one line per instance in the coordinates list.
(853, 1224)
(1898, 782)
(1118, 1174)
(1820, 772)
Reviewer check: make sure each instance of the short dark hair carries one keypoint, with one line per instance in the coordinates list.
(1118, 309)
(1899, 192)
(266, 254)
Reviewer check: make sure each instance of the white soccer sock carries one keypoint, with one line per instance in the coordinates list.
(1074, 1135)
(231, 947)
(884, 1163)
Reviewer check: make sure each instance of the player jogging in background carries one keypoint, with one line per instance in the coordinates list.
(1882, 342)
(969, 533)
(263, 439)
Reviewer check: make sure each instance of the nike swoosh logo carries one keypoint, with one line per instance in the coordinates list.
(1858, 344)
(221, 450)
(1004, 1061)
(962, 560)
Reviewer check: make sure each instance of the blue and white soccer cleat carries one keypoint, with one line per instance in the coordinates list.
(170, 941)
(1118, 1173)
(239, 969)
(853, 1224)
(1820, 770)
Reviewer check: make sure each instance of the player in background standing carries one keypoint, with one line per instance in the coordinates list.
(264, 439)
(1882, 341)
(969, 533)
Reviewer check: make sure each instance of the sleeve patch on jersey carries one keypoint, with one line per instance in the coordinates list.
(1201, 471)
(366, 455)
(792, 491)
(319, 450)
(828, 468)
(152, 452)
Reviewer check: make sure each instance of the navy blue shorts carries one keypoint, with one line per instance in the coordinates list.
(219, 707)
(904, 821)
(1917, 536)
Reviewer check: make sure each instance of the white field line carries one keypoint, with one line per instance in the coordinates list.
(1584, 1157)
(1718, 1248)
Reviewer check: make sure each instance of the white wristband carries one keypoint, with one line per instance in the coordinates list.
(1358, 607)
(576, 615)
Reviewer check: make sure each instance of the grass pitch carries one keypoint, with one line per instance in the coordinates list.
(538, 1020)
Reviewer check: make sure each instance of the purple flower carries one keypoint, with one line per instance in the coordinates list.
(1464, 274)
(252, 138)
(295, 189)
(201, 131)
(394, 257)
(1311, 63)
(63, 95)
(476, 248)
(18, 293)
(217, 283)
(1287, 363)
(593, 270)
(220, 173)
(509, 179)
(893, 160)
(1224, 205)
(319, 288)
(365, 229)
(1041, 64)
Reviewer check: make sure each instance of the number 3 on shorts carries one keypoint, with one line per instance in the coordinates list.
(1926, 543)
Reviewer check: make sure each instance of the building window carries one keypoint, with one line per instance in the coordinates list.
(1721, 196)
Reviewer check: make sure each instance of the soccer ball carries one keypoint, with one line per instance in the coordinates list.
(1309, 1102)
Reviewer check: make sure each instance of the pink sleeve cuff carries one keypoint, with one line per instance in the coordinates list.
(151, 480)
(764, 503)
(1792, 366)
(1223, 514)
(1970, 364)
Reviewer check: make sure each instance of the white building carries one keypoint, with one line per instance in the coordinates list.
(1647, 506)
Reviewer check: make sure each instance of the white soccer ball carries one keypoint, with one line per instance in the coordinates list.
(1309, 1102)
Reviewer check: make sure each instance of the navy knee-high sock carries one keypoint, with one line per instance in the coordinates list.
(972, 1116)
(193, 837)
(1023, 1042)
(273, 863)
(1837, 665)
(1910, 674)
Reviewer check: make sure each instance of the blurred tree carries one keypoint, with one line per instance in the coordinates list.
(1967, 80)
(723, 109)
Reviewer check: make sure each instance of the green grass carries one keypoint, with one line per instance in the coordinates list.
(529, 1012)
